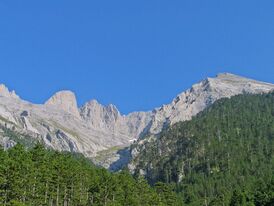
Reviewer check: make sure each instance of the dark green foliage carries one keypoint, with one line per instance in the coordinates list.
(223, 156)
(43, 177)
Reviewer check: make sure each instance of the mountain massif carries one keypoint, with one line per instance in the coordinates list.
(212, 145)
(98, 131)
(222, 156)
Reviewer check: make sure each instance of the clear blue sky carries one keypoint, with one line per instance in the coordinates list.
(137, 54)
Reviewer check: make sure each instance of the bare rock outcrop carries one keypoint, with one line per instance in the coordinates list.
(201, 95)
(97, 130)
(4, 91)
(66, 101)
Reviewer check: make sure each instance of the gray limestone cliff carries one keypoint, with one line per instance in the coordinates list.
(100, 132)
(65, 100)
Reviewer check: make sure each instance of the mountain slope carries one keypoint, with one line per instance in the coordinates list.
(60, 125)
(227, 147)
(201, 95)
(97, 130)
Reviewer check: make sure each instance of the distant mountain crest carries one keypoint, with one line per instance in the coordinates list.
(65, 100)
(4, 91)
(228, 75)
(92, 128)
(200, 95)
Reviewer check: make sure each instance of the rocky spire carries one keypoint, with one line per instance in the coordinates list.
(100, 116)
(66, 101)
(4, 91)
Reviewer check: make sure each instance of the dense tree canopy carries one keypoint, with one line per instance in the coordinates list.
(223, 156)
(43, 177)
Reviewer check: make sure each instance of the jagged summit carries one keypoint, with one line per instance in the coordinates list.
(98, 115)
(93, 106)
(201, 95)
(92, 102)
(4, 91)
(95, 127)
(228, 75)
(65, 100)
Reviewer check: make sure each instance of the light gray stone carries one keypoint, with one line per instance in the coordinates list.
(94, 128)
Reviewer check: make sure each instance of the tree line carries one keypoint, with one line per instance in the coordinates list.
(223, 156)
(38, 176)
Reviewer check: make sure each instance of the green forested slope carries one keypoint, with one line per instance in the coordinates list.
(224, 156)
(41, 177)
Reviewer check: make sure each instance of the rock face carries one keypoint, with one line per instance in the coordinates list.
(108, 118)
(203, 94)
(61, 125)
(4, 92)
(66, 101)
(99, 131)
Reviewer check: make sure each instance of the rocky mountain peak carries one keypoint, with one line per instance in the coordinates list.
(90, 107)
(201, 95)
(4, 91)
(65, 100)
(93, 102)
(112, 109)
(228, 75)
(95, 112)
(95, 127)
